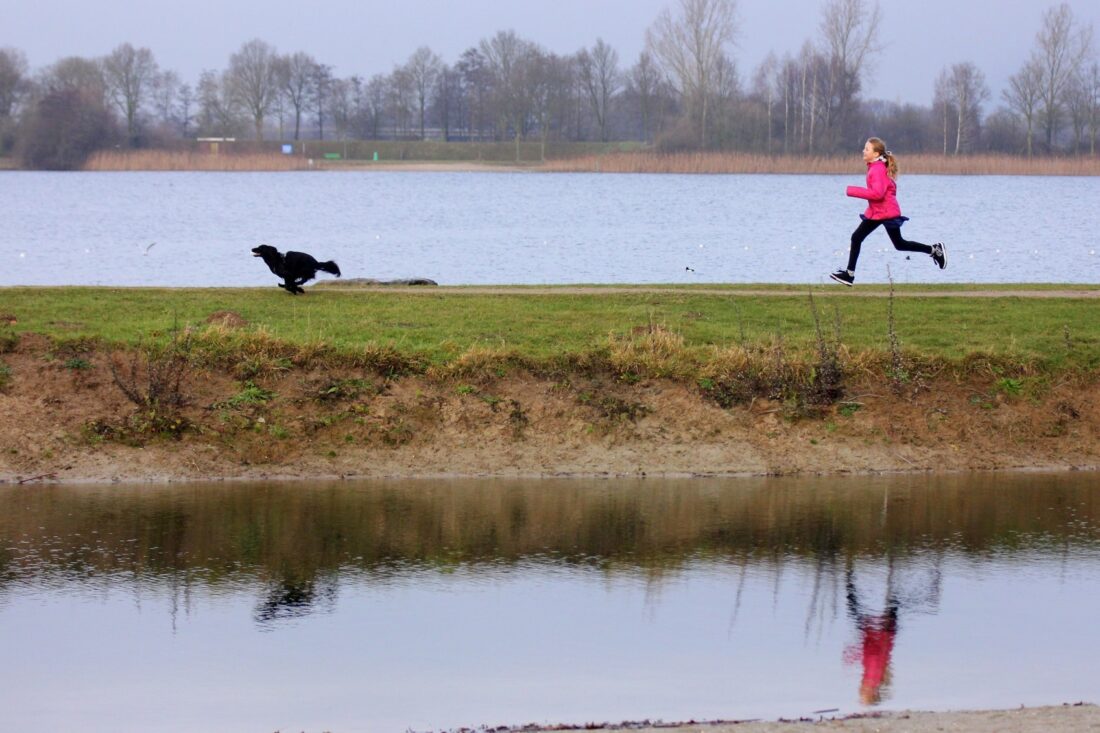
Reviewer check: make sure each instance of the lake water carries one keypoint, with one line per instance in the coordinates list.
(390, 606)
(494, 228)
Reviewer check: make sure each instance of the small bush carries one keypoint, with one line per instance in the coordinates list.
(153, 379)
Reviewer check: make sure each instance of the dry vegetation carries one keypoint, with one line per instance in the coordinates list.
(733, 162)
(166, 160)
(616, 162)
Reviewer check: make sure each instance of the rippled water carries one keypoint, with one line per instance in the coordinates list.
(486, 228)
(428, 605)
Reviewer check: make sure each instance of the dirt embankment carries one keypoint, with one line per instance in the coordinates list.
(64, 417)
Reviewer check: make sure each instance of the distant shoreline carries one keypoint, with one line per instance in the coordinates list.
(610, 162)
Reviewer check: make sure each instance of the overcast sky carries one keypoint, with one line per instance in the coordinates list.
(366, 37)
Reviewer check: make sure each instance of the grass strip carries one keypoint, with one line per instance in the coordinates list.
(441, 324)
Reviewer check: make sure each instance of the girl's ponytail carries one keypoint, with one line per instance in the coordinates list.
(891, 162)
(891, 165)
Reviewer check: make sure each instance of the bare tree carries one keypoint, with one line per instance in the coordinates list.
(63, 127)
(812, 70)
(1091, 84)
(766, 91)
(375, 100)
(340, 108)
(164, 97)
(400, 101)
(130, 74)
(849, 29)
(1061, 49)
(476, 79)
(13, 80)
(643, 82)
(967, 91)
(1024, 95)
(319, 91)
(296, 76)
(448, 102)
(941, 100)
(507, 58)
(219, 109)
(423, 69)
(185, 99)
(1077, 105)
(599, 75)
(254, 81)
(690, 48)
(74, 73)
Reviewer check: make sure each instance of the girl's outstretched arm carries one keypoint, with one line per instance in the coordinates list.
(876, 185)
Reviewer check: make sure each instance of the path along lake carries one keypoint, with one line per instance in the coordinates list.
(196, 229)
(389, 606)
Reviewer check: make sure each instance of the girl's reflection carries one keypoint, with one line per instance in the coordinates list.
(877, 630)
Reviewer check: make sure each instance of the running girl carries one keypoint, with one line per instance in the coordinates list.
(882, 208)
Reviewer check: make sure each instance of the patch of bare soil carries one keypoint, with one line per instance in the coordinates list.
(63, 417)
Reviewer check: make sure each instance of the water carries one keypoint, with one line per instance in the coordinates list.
(387, 606)
(492, 228)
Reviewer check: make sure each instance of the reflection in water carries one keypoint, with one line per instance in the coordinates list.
(612, 600)
(289, 598)
(877, 631)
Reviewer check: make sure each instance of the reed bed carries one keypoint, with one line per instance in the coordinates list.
(166, 160)
(733, 162)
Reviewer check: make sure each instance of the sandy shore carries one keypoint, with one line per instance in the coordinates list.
(1075, 718)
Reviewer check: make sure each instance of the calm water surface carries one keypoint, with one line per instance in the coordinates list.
(488, 228)
(428, 605)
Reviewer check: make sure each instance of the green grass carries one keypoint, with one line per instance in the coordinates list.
(440, 324)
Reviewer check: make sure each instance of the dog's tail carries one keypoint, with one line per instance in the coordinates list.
(330, 267)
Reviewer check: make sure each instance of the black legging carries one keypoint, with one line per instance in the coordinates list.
(900, 243)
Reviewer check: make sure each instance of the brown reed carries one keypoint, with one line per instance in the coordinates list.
(736, 162)
(169, 160)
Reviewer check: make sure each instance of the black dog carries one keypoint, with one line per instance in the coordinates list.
(294, 268)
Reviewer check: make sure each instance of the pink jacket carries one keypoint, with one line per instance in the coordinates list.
(881, 193)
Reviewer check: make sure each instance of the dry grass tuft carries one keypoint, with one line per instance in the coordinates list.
(651, 351)
(227, 319)
(482, 364)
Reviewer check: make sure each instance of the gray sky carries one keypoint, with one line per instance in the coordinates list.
(371, 36)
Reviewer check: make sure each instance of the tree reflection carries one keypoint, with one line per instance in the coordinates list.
(291, 542)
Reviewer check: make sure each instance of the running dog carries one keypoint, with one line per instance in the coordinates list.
(295, 268)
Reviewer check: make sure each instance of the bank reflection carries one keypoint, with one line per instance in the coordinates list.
(869, 550)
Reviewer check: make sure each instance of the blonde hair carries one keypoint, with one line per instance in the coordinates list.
(879, 147)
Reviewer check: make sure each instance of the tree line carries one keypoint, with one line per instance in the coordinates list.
(683, 92)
